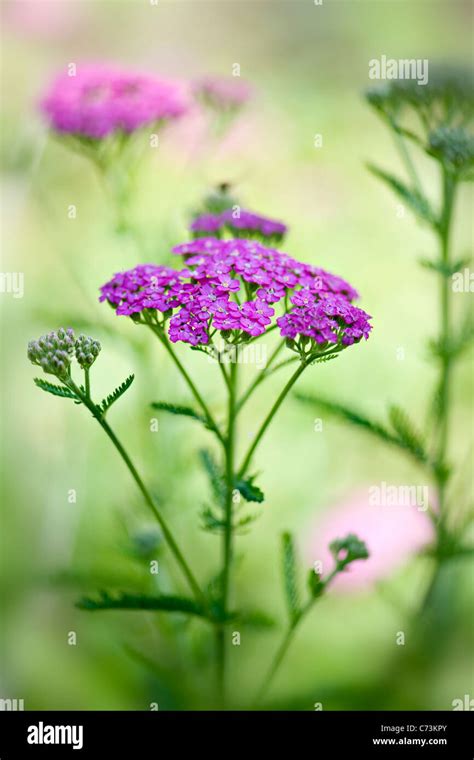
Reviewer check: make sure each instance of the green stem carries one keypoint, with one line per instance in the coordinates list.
(406, 158)
(294, 377)
(444, 229)
(260, 377)
(87, 382)
(212, 423)
(279, 656)
(445, 301)
(145, 493)
(288, 638)
(229, 448)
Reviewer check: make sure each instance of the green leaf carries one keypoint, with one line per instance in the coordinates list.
(240, 526)
(56, 390)
(315, 584)
(215, 476)
(107, 402)
(211, 522)
(465, 336)
(255, 619)
(350, 415)
(125, 601)
(185, 411)
(249, 491)
(410, 196)
(447, 270)
(290, 575)
(457, 344)
(322, 359)
(409, 436)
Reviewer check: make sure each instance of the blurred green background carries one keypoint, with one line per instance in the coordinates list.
(308, 66)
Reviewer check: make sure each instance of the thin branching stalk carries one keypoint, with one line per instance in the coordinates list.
(287, 640)
(191, 385)
(229, 449)
(167, 533)
(288, 386)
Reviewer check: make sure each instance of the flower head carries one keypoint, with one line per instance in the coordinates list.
(100, 100)
(234, 287)
(147, 286)
(53, 351)
(454, 147)
(87, 350)
(447, 99)
(239, 223)
(392, 534)
(329, 319)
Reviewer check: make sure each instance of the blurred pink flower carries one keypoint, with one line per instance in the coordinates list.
(97, 100)
(392, 534)
(223, 93)
(42, 18)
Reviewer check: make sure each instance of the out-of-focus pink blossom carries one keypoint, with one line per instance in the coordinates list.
(223, 93)
(392, 534)
(96, 100)
(42, 18)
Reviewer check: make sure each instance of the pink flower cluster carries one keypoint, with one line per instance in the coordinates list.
(242, 224)
(233, 287)
(222, 93)
(99, 100)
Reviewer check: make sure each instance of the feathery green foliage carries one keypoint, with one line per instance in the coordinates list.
(107, 402)
(57, 390)
(409, 195)
(216, 478)
(407, 433)
(126, 601)
(290, 575)
(184, 411)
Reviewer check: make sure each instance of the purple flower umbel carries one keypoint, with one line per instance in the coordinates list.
(239, 223)
(234, 288)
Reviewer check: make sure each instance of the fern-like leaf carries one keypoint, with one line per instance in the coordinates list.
(215, 476)
(407, 433)
(350, 415)
(125, 601)
(211, 522)
(184, 411)
(255, 619)
(410, 196)
(321, 359)
(290, 576)
(241, 525)
(57, 390)
(447, 270)
(107, 402)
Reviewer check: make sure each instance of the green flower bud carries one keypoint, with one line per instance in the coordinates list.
(53, 352)
(348, 549)
(87, 350)
(452, 146)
